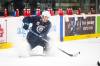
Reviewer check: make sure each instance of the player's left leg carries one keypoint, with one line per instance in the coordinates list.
(45, 46)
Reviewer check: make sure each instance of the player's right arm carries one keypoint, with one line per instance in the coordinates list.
(27, 21)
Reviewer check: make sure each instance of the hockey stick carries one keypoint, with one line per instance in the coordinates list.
(71, 55)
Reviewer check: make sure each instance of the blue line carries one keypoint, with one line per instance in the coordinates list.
(61, 28)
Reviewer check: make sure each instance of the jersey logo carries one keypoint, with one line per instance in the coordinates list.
(40, 28)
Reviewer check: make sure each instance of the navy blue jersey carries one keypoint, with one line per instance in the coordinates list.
(39, 27)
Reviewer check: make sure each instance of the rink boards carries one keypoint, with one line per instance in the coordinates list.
(80, 27)
(11, 27)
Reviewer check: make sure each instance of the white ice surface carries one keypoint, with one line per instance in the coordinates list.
(89, 54)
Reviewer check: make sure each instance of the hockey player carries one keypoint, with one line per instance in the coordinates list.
(38, 32)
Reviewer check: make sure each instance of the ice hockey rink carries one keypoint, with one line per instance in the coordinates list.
(89, 53)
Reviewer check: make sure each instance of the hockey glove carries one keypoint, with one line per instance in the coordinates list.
(25, 26)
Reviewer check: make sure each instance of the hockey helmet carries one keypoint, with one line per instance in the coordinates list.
(46, 13)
